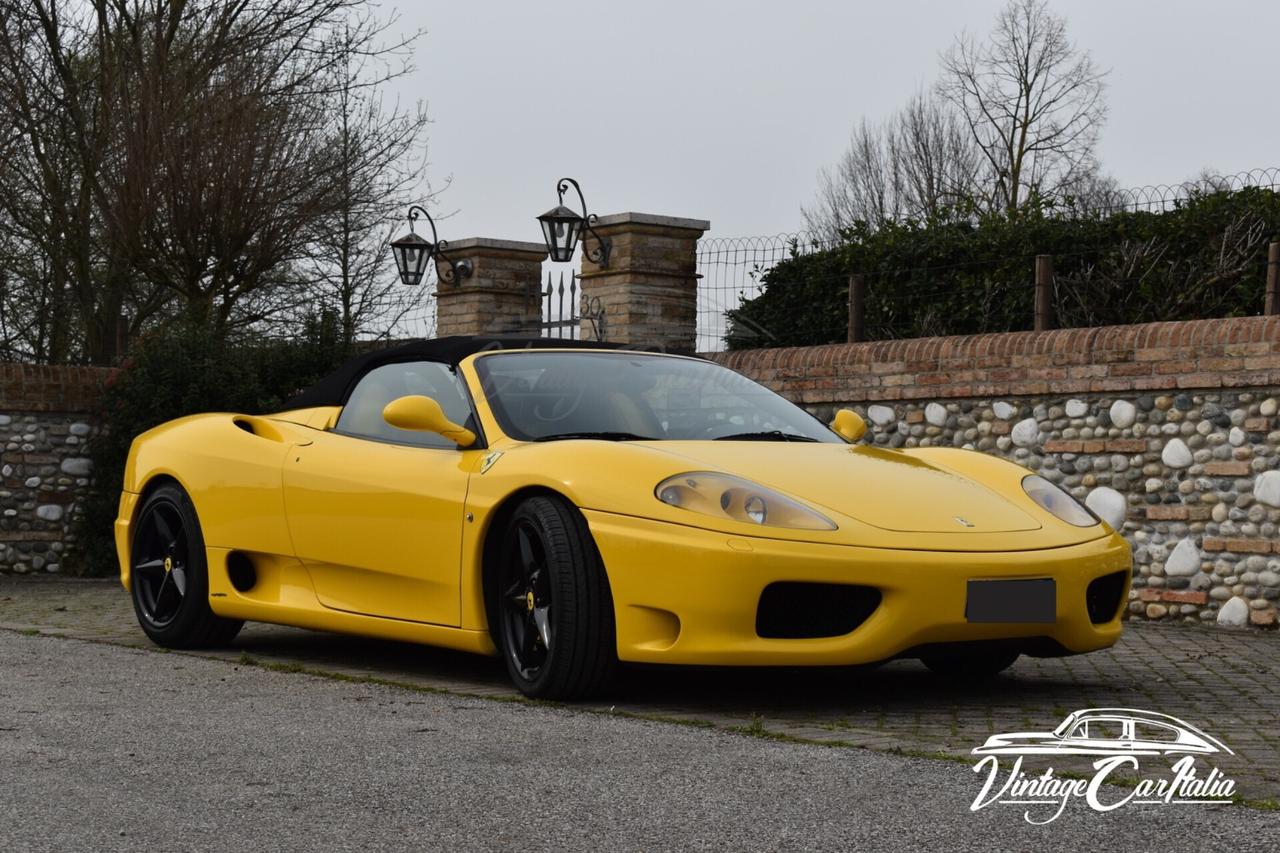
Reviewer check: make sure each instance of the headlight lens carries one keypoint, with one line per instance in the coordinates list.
(736, 499)
(1056, 501)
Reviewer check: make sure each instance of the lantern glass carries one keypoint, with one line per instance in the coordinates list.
(412, 254)
(561, 229)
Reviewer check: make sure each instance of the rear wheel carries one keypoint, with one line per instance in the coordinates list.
(973, 665)
(169, 575)
(554, 610)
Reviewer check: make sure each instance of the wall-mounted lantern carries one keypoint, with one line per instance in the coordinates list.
(413, 253)
(562, 228)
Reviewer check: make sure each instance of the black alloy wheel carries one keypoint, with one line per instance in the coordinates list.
(161, 551)
(169, 574)
(526, 600)
(552, 607)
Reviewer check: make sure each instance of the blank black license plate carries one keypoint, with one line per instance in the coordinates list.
(1032, 600)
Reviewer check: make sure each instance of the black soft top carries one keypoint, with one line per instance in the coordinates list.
(334, 389)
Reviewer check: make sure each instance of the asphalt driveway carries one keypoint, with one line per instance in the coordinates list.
(107, 748)
(296, 701)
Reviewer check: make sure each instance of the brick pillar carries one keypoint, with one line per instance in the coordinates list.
(502, 295)
(649, 291)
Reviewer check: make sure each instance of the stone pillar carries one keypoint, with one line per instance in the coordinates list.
(503, 293)
(649, 290)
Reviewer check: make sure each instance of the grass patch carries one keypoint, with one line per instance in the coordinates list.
(1267, 805)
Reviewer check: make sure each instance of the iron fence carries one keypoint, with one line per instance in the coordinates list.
(731, 270)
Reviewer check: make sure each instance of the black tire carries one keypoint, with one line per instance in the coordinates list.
(973, 666)
(553, 610)
(169, 576)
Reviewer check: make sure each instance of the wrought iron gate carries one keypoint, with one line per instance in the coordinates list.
(562, 314)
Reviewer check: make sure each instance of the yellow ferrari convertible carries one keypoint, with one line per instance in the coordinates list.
(570, 506)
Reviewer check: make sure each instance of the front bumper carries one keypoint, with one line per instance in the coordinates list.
(684, 595)
(124, 519)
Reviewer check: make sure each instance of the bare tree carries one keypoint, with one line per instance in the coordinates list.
(920, 163)
(1033, 103)
(857, 189)
(381, 161)
(170, 157)
(51, 80)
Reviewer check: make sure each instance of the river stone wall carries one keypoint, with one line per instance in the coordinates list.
(44, 424)
(1169, 431)
(1191, 480)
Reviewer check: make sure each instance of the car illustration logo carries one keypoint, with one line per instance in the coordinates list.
(1109, 731)
(964, 522)
(1113, 741)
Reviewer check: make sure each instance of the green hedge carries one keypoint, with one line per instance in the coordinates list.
(1206, 257)
(179, 372)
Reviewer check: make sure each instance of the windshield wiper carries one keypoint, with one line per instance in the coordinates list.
(603, 436)
(766, 435)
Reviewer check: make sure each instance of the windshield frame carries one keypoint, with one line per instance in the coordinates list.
(473, 373)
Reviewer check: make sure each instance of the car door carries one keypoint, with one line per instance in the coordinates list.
(376, 512)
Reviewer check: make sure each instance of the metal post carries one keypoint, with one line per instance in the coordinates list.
(857, 307)
(1273, 278)
(1044, 293)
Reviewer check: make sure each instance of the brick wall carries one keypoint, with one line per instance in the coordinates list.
(50, 388)
(1170, 428)
(44, 423)
(1238, 352)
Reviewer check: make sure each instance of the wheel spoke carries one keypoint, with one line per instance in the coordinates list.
(542, 618)
(518, 632)
(155, 604)
(151, 568)
(163, 528)
(179, 574)
(527, 561)
(528, 647)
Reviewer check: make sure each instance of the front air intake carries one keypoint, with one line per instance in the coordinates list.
(796, 611)
(1102, 598)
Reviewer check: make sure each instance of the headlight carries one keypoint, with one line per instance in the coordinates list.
(1056, 501)
(727, 496)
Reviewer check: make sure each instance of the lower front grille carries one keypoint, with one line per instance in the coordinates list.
(793, 611)
(1102, 598)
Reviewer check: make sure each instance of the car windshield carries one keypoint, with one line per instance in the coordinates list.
(543, 396)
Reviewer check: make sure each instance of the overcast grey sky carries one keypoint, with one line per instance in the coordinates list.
(726, 110)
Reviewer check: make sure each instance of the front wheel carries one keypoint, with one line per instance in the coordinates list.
(169, 575)
(554, 609)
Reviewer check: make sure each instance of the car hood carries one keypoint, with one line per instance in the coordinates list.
(886, 489)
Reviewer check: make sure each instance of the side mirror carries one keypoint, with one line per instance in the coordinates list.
(424, 414)
(849, 425)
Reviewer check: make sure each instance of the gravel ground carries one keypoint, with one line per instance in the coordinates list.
(106, 748)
